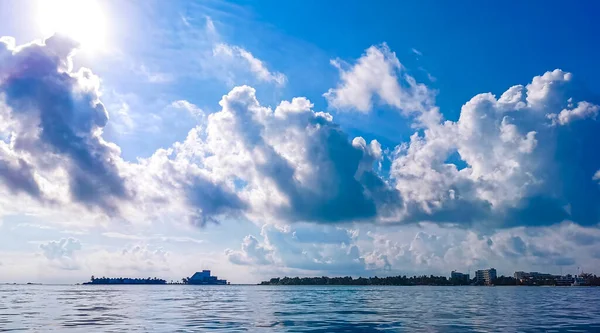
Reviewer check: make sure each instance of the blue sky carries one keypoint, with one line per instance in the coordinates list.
(297, 138)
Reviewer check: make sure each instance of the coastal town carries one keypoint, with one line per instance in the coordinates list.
(489, 277)
(483, 277)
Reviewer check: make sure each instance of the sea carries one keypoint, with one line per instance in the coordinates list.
(186, 308)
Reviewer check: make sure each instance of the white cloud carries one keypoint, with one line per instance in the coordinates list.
(189, 107)
(152, 238)
(508, 147)
(417, 52)
(154, 76)
(252, 253)
(545, 91)
(113, 234)
(423, 249)
(596, 175)
(378, 77)
(235, 54)
(582, 111)
(434, 250)
(331, 250)
(121, 118)
(210, 26)
(62, 252)
(134, 261)
(295, 163)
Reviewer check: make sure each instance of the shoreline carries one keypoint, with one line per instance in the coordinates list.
(280, 285)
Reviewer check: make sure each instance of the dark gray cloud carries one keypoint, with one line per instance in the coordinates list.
(59, 118)
(18, 176)
(211, 200)
(337, 194)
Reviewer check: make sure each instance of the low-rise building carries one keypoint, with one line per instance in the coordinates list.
(536, 278)
(458, 277)
(565, 280)
(520, 275)
(204, 277)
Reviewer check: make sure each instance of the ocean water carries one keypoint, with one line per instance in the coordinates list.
(298, 309)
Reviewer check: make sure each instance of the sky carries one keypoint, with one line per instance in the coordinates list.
(301, 138)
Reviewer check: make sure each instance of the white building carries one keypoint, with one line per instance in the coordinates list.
(485, 276)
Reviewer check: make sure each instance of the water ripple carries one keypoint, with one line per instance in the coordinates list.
(298, 309)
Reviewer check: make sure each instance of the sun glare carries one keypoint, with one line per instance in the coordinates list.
(82, 20)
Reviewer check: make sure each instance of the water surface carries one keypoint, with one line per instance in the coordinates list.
(298, 309)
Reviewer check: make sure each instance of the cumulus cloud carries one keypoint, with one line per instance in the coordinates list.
(62, 252)
(426, 249)
(171, 182)
(137, 260)
(330, 249)
(17, 174)
(52, 122)
(291, 163)
(520, 170)
(252, 253)
(378, 76)
(55, 121)
(235, 54)
(582, 111)
(438, 251)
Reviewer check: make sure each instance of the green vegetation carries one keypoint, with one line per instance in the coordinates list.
(423, 280)
(120, 280)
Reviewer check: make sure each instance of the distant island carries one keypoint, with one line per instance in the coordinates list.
(199, 278)
(371, 281)
(457, 279)
(120, 280)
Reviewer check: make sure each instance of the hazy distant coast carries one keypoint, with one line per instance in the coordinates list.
(424, 280)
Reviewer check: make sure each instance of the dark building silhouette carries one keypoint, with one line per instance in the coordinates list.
(204, 277)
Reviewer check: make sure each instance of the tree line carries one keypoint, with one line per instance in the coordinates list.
(120, 280)
(422, 280)
(430, 280)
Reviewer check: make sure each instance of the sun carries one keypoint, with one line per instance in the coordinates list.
(81, 20)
